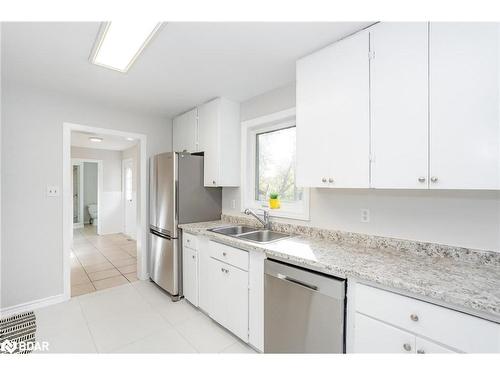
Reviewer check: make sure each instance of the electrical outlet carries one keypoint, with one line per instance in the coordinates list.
(52, 191)
(365, 215)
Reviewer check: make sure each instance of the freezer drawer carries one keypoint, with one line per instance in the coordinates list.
(165, 262)
(303, 311)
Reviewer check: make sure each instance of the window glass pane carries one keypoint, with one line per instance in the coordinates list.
(275, 165)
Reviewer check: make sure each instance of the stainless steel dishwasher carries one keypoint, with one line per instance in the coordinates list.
(303, 310)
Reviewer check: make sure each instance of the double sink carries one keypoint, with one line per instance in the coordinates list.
(250, 234)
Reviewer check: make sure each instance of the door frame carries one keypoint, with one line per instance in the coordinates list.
(99, 187)
(81, 177)
(124, 201)
(142, 227)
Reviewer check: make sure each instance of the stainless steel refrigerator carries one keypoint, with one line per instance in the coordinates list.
(177, 196)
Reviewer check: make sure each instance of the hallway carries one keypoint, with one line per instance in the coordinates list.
(101, 262)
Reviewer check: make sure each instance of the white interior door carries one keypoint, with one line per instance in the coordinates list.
(129, 198)
(77, 189)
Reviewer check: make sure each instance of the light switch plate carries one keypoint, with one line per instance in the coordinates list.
(52, 191)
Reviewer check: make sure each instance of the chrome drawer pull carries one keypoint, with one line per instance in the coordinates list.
(407, 347)
(414, 317)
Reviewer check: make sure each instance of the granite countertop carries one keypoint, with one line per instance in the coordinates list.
(472, 287)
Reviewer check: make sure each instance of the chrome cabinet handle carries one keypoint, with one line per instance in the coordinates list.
(414, 317)
(421, 179)
(434, 179)
(224, 270)
(407, 347)
(213, 182)
(330, 180)
(224, 254)
(420, 351)
(194, 257)
(323, 179)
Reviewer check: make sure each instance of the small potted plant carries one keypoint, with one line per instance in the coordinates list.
(274, 201)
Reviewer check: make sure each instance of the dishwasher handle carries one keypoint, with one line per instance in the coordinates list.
(313, 281)
(295, 281)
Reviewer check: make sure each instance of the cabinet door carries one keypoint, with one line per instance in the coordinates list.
(218, 302)
(190, 275)
(333, 115)
(204, 272)
(184, 132)
(236, 294)
(313, 120)
(428, 347)
(208, 137)
(399, 97)
(229, 297)
(373, 336)
(464, 106)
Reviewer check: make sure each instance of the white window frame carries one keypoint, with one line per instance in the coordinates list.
(250, 129)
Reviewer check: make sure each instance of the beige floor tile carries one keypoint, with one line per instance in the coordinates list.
(111, 282)
(128, 269)
(99, 267)
(91, 259)
(77, 290)
(131, 276)
(105, 274)
(116, 255)
(79, 277)
(123, 262)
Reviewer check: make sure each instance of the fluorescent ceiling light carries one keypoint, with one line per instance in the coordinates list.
(120, 43)
(95, 139)
(130, 139)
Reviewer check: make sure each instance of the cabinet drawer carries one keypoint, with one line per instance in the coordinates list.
(455, 329)
(372, 336)
(189, 240)
(229, 255)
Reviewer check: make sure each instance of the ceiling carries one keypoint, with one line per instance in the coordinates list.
(109, 142)
(184, 65)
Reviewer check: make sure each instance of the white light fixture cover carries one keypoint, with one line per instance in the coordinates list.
(120, 43)
(95, 139)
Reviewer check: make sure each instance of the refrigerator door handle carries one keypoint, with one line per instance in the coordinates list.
(159, 234)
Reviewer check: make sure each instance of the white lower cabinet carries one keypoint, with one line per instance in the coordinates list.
(373, 336)
(424, 346)
(190, 275)
(229, 297)
(386, 322)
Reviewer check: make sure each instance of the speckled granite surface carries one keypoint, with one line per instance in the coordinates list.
(468, 280)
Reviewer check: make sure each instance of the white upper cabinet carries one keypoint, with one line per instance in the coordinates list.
(214, 129)
(333, 115)
(185, 132)
(399, 105)
(464, 106)
(219, 139)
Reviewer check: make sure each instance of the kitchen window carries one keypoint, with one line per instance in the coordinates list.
(269, 151)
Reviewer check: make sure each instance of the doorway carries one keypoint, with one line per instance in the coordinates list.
(97, 258)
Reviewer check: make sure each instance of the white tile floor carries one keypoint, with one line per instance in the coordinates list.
(132, 318)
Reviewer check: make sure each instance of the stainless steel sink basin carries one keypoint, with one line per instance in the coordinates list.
(263, 236)
(250, 233)
(234, 230)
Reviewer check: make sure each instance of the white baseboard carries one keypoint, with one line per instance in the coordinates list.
(33, 305)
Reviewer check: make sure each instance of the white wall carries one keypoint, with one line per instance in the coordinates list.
(32, 224)
(111, 210)
(89, 189)
(459, 218)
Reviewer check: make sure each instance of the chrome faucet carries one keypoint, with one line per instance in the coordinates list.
(265, 222)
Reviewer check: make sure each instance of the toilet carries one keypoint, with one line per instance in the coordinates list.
(93, 213)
